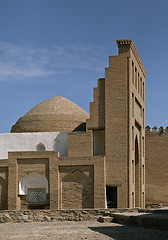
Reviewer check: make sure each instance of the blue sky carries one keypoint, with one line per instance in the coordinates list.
(61, 47)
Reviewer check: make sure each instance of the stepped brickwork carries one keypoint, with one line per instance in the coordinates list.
(110, 157)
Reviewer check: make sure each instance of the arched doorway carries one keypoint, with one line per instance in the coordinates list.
(137, 174)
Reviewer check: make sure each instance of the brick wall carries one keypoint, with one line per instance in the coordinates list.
(80, 144)
(156, 167)
(77, 187)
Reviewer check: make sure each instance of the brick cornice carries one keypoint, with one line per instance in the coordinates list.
(128, 43)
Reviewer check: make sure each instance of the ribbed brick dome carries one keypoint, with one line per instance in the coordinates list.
(56, 114)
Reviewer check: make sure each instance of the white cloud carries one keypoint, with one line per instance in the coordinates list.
(27, 62)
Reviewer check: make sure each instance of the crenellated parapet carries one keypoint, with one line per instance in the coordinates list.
(155, 130)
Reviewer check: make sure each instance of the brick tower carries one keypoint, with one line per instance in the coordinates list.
(117, 118)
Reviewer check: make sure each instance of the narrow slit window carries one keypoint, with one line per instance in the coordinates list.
(135, 78)
(133, 73)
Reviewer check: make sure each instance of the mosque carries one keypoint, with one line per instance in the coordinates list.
(57, 156)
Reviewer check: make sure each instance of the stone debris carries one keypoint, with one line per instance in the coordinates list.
(100, 215)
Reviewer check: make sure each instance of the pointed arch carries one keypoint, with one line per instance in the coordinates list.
(137, 174)
(77, 190)
(136, 151)
(32, 180)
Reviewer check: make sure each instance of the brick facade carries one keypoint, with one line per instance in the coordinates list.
(105, 166)
(156, 166)
(73, 181)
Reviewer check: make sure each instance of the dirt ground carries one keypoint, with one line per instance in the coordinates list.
(78, 231)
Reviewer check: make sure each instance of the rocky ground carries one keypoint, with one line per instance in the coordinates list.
(78, 231)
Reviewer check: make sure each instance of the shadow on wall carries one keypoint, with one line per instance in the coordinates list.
(61, 144)
(80, 128)
(3, 193)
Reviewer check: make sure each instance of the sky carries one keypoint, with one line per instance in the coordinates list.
(61, 47)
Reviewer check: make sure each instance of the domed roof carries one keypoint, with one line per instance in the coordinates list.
(53, 115)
